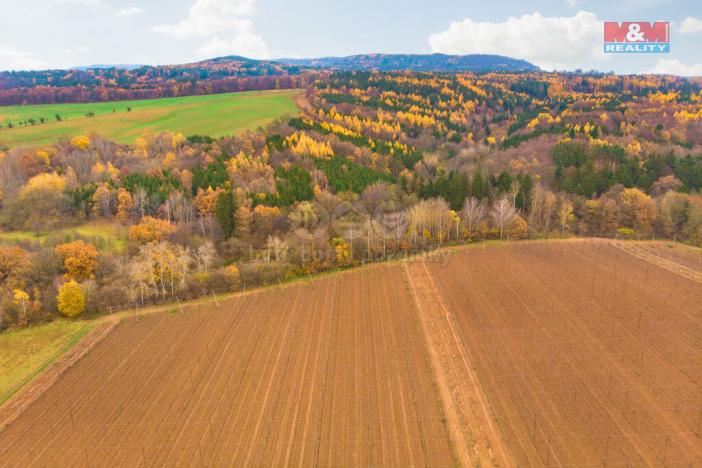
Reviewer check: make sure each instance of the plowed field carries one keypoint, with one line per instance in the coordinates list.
(529, 354)
(589, 356)
(329, 373)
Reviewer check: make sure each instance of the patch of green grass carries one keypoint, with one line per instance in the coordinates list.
(108, 236)
(25, 353)
(16, 236)
(215, 115)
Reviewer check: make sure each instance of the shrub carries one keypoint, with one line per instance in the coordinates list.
(71, 301)
(626, 233)
(111, 297)
(262, 273)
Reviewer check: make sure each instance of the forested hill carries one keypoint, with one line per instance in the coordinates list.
(423, 63)
(219, 75)
(100, 83)
(216, 68)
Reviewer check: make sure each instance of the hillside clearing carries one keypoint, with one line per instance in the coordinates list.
(107, 236)
(213, 115)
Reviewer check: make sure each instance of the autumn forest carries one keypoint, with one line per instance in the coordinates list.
(374, 166)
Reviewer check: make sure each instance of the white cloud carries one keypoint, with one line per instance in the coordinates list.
(246, 44)
(229, 24)
(549, 42)
(691, 25)
(129, 11)
(209, 17)
(13, 59)
(676, 67)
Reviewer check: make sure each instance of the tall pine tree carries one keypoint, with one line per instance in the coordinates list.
(504, 182)
(225, 210)
(478, 189)
(457, 190)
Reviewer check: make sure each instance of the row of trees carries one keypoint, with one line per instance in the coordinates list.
(51, 94)
(243, 245)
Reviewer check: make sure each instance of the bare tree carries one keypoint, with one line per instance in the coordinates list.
(430, 217)
(205, 255)
(106, 201)
(473, 213)
(278, 248)
(11, 174)
(549, 204)
(158, 269)
(376, 232)
(183, 264)
(503, 214)
(396, 223)
(140, 197)
(537, 196)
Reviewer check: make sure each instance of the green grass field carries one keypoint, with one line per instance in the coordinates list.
(108, 236)
(215, 115)
(26, 352)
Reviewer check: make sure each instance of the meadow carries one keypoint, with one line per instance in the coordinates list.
(213, 115)
(104, 235)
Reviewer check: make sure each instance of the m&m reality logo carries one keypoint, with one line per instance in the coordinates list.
(636, 37)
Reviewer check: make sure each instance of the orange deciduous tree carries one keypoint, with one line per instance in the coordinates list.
(150, 229)
(79, 259)
(125, 205)
(14, 266)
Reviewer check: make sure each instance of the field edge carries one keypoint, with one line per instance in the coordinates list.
(35, 384)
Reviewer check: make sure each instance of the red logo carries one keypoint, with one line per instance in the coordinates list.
(636, 31)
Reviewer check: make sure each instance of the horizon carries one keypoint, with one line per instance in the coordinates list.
(272, 59)
(95, 66)
(562, 35)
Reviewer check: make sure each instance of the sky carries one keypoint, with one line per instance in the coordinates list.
(553, 34)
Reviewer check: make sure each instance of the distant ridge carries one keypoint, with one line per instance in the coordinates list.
(115, 82)
(107, 66)
(120, 82)
(422, 63)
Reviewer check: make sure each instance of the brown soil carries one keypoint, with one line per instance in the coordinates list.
(529, 354)
(15, 406)
(587, 355)
(681, 259)
(469, 415)
(328, 373)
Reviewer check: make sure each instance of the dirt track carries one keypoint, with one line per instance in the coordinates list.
(469, 416)
(682, 260)
(530, 354)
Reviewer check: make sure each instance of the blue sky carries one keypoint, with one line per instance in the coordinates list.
(556, 34)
